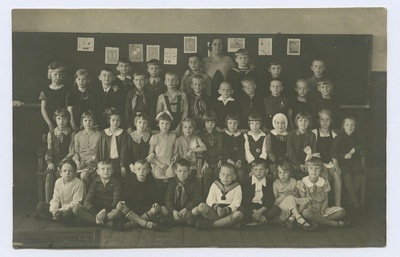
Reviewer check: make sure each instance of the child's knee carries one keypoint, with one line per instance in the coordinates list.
(203, 208)
(237, 215)
(76, 209)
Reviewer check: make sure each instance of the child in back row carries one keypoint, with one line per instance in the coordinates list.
(318, 68)
(243, 68)
(195, 63)
(250, 102)
(275, 68)
(223, 201)
(275, 103)
(183, 194)
(189, 144)
(173, 100)
(53, 96)
(325, 101)
(225, 104)
(297, 141)
(199, 102)
(258, 198)
(58, 147)
(108, 97)
(212, 158)
(301, 102)
(156, 85)
(139, 100)
(316, 189)
(324, 140)
(80, 99)
(124, 79)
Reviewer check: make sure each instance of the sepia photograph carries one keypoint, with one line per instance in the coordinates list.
(234, 135)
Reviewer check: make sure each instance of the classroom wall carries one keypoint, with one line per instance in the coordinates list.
(286, 21)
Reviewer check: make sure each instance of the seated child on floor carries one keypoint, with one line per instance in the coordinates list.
(316, 189)
(287, 198)
(58, 147)
(258, 198)
(223, 201)
(276, 142)
(183, 194)
(102, 198)
(68, 192)
(141, 200)
(347, 152)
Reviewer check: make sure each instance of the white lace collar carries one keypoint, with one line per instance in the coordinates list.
(137, 137)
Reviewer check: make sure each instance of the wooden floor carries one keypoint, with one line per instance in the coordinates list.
(368, 230)
(30, 233)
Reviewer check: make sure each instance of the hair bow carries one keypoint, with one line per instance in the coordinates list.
(164, 112)
(309, 153)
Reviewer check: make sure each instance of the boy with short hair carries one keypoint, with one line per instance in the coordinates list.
(183, 193)
(222, 204)
(258, 196)
(139, 100)
(68, 192)
(155, 84)
(141, 201)
(212, 158)
(301, 102)
(199, 102)
(243, 68)
(108, 96)
(318, 68)
(173, 100)
(275, 69)
(275, 103)
(102, 198)
(124, 80)
(195, 63)
(325, 101)
(225, 104)
(250, 102)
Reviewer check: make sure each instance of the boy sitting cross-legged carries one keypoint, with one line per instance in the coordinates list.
(223, 201)
(141, 200)
(258, 196)
(183, 194)
(104, 194)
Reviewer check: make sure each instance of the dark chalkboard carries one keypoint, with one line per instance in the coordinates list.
(347, 57)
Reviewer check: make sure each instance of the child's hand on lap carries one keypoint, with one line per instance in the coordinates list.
(303, 167)
(183, 212)
(257, 215)
(177, 215)
(120, 205)
(101, 215)
(238, 164)
(150, 158)
(219, 163)
(123, 172)
(221, 211)
(205, 166)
